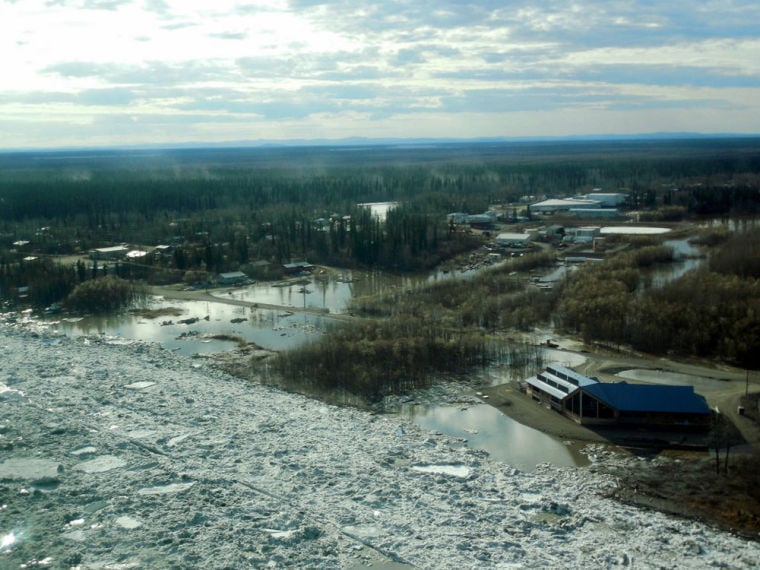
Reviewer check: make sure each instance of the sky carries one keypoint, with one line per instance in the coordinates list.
(137, 72)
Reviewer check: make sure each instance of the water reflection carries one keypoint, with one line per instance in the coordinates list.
(484, 427)
(686, 258)
(733, 224)
(273, 330)
(332, 292)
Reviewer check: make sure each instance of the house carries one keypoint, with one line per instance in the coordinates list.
(163, 249)
(552, 232)
(232, 278)
(297, 267)
(481, 221)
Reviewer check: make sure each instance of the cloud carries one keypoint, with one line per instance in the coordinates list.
(229, 35)
(105, 4)
(394, 66)
(151, 73)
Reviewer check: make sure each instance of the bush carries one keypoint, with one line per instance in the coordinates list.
(106, 294)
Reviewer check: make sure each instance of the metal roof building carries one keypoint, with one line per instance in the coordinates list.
(231, 278)
(563, 204)
(650, 398)
(556, 383)
(644, 405)
(620, 404)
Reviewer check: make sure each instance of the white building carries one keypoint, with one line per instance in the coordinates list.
(607, 199)
(563, 205)
(513, 239)
(115, 252)
(584, 234)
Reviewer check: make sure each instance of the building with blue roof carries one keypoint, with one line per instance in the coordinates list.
(648, 405)
(591, 402)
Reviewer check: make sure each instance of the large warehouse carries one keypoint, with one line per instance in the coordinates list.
(620, 404)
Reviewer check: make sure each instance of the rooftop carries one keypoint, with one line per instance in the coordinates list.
(649, 398)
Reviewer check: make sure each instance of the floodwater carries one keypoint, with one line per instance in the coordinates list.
(270, 329)
(484, 427)
(332, 293)
(686, 258)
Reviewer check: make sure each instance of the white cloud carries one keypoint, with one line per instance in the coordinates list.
(393, 68)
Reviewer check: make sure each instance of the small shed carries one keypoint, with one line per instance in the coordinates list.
(513, 239)
(297, 267)
(232, 278)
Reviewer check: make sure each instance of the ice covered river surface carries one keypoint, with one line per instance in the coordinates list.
(133, 457)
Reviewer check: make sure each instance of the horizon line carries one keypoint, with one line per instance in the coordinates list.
(379, 141)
